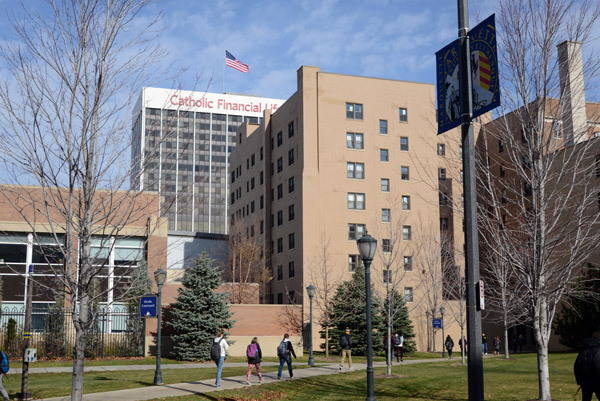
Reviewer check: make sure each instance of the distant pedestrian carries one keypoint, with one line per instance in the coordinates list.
(399, 337)
(514, 344)
(521, 341)
(389, 347)
(254, 354)
(587, 368)
(285, 350)
(346, 346)
(496, 342)
(449, 345)
(223, 347)
(4, 368)
(484, 347)
(463, 344)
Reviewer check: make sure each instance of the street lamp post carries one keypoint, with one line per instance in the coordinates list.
(311, 293)
(367, 246)
(428, 340)
(442, 310)
(159, 276)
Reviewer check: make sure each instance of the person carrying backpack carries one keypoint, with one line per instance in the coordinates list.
(449, 345)
(285, 350)
(218, 351)
(254, 354)
(346, 346)
(3, 369)
(587, 368)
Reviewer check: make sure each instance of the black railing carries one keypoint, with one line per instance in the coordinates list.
(53, 334)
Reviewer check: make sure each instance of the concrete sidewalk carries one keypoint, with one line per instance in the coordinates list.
(206, 386)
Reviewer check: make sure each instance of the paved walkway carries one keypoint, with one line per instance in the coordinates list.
(204, 386)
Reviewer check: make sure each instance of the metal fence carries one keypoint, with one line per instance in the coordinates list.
(53, 334)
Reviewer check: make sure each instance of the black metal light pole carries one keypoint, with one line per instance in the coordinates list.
(159, 276)
(311, 293)
(25, 394)
(442, 310)
(367, 246)
(428, 340)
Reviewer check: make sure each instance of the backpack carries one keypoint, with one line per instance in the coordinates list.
(252, 350)
(282, 349)
(215, 351)
(343, 341)
(4, 366)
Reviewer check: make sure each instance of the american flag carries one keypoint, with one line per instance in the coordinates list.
(233, 62)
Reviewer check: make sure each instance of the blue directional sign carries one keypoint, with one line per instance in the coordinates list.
(484, 74)
(437, 323)
(148, 307)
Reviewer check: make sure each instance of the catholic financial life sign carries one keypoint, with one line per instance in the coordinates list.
(484, 73)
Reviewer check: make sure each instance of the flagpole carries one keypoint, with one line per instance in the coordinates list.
(223, 80)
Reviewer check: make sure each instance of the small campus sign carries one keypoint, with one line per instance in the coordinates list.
(437, 323)
(148, 306)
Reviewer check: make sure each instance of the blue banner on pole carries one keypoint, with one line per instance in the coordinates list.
(484, 74)
(437, 323)
(148, 307)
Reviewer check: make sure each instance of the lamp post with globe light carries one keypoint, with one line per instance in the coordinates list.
(159, 276)
(311, 293)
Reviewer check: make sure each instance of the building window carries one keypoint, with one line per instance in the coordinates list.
(232, 177)
(252, 207)
(408, 294)
(279, 139)
(291, 213)
(355, 170)
(387, 276)
(386, 245)
(443, 199)
(262, 226)
(291, 157)
(597, 165)
(291, 185)
(252, 183)
(383, 129)
(280, 298)
(403, 114)
(353, 261)
(502, 171)
(442, 174)
(262, 177)
(292, 297)
(462, 176)
(503, 195)
(272, 169)
(408, 263)
(441, 149)
(252, 159)
(280, 217)
(404, 143)
(599, 201)
(406, 233)
(355, 231)
(405, 173)
(291, 129)
(279, 273)
(354, 111)
(291, 241)
(385, 215)
(279, 245)
(527, 189)
(356, 201)
(354, 140)
(385, 185)
(384, 155)
(444, 223)
(291, 270)
(280, 164)
(500, 146)
(262, 153)
(405, 202)
(279, 191)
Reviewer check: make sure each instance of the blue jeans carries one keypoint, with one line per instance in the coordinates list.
(219, 370)
(484, 347)
(287, 359)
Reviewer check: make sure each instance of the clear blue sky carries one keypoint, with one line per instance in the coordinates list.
(394, 39)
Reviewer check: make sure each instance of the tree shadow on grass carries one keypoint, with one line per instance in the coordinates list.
(103, 378)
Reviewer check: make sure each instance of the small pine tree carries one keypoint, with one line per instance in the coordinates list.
(402, 323)
(349, 310)
(199, 312)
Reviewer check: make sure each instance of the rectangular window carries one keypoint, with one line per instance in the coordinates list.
(291, 213)
(383, 129)
(280, 298)
(405, 173)
(353, 261)
(279, 191)
(385, 185)
(403, 112)
(280, 164)
(404, 143)
(232, 177)
(252, 207)
(279, 273)
(355, 231)
(279, 139)
(291, 157)
(291, 297)
(408, 294)
(407, 263)
(354, 140)
(355, 170)
(444, 223)
(354, 111)
(262, 226)
(279, 245)
(441, 149)
(280, 217)
(384, 155)
(527, 189)
(502, 171)
(291, 185)
(386, 245)
(406, 233)
(252, 159)
(356, 201)
(291, 241)
(442, 174)
(262, 153)
(597, 165)
(291, 129)
(291, 270)
(405, 202)
(385, 215)
(262, 178)
(252, 183)
(462, 176)
(387, 274)
(500, 146)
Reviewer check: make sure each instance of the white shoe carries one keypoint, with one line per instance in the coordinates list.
(260, 381)
(248, 382)
(341, 367)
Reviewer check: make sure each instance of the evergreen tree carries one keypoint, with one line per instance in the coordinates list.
(349, 310)
(199, 312)
(402, 322)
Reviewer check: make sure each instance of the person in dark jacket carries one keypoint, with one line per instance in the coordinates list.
(254, 354)
(346, 346)
(391, 346)
(286, 356)
(463, 344)
(587, 368)
(484, 347)
(449, 345)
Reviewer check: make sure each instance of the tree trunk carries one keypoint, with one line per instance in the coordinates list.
(506, 355)
(80, 343)
(543, 372)
(327, 341)
(389, 347)
(463, 347)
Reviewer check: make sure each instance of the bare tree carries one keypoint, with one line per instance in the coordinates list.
(541, 149)
(455, 289)
(66, 111)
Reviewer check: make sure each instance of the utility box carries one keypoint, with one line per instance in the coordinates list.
(30, 354)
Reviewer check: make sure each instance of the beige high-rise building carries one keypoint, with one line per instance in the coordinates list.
(343, 155)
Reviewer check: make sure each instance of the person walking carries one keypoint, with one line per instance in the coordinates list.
(463, 344)
(346, 346)
(514, 344)
(449, 345)
(496, 342)
(220, 340)
(587, 368)
(399, 338)
(285, 350)
(484, 347)
(521, 341)
(254, 354)
(390, 347)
